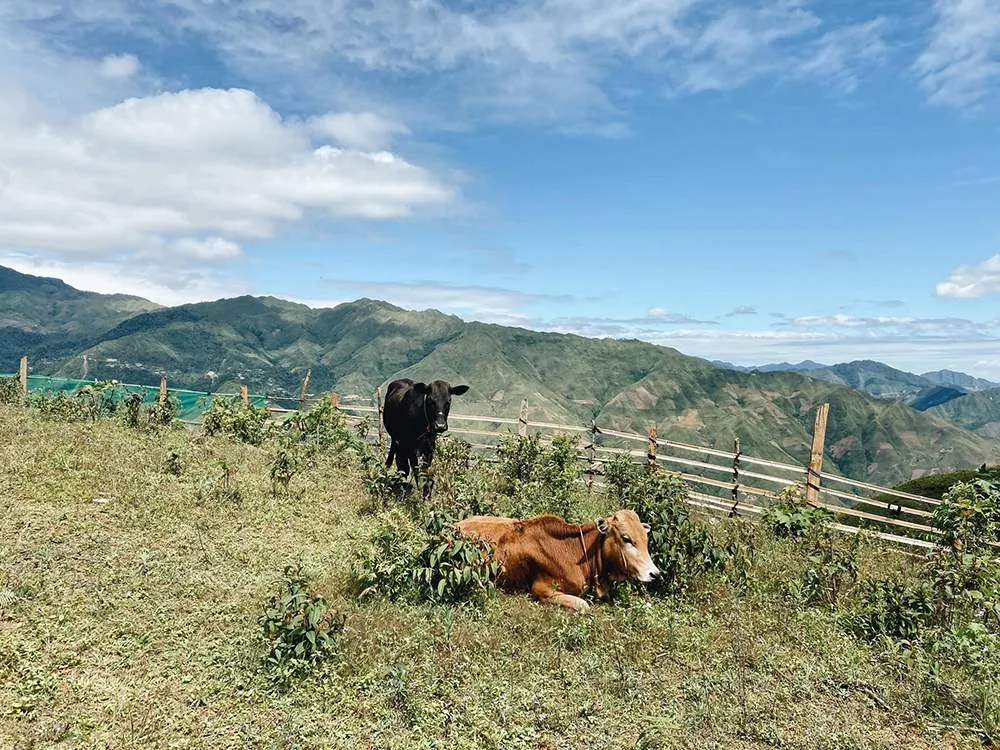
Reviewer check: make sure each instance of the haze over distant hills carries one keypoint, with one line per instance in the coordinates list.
(269, 344)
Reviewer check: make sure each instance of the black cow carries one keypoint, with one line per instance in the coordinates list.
(414, 414)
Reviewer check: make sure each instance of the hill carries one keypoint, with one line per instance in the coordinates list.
(40, 315)
(975, 411)
(875, 378)
(959, 380)
(270, 344)
(355, 347)
(804, 366)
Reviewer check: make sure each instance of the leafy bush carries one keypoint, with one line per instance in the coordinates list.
(537, 478)
(680, 547)
(830, 571)
(10, 391)
(450, 569)
(432, 565)
(384, 568)
(790, 516)
(229, 416)
(300, 628)
(383, 486)
(323, 426)
(936, 486)
(892, 609)
(969, 515)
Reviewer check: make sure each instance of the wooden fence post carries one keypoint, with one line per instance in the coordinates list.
(816, 455)
(86, 364)
(333, 400)
(522, 419)
(244, 394)
(163, 390)
(22, 376)
(592, 454)
(381, 425)
(736, 477)
(305, 387)
(651, 450)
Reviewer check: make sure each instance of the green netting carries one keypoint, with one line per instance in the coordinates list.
(190, 404)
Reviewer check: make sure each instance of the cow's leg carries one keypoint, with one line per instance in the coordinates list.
(402, 461)
(545, 592)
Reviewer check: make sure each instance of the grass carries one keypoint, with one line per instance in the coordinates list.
(134, 623)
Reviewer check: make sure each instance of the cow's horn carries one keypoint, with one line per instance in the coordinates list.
(602, 525)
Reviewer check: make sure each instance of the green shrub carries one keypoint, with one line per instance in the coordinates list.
(829, 573)
(791, 517)
(969, 515)
(891, 609)
(680, 547)
(10, 391)
(230, 417)
(323, 426)
(432, 565)
(539, 479)
(299, 627)
(450, 569)
(383, 486)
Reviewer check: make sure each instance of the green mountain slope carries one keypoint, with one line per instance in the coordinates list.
(873, 378)
(975, 411)
(41, 315)
(959, 380)
(270, 343)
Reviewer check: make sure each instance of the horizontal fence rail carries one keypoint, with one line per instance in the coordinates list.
(717, 479)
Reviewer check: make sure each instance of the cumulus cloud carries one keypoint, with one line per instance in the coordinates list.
(968, 282)
(190, 173)
(741, 310)
(961, 63)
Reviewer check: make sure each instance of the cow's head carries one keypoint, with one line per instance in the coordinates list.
(626, 547)
(437, 403)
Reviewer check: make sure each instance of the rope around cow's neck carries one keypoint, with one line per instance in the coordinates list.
(593, 573)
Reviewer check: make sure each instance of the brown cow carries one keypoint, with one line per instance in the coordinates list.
(559, 562)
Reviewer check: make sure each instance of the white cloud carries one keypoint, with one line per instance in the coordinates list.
(118, 66)
(554, 61)
(171, 286)
(961, 64)
(165, 171)
(968, 282)
(361, 130)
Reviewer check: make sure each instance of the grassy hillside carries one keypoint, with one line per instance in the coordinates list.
(874, 378)
(40, 315)
(976, 411)
(133, 574)
(270, 344)
(959, 380)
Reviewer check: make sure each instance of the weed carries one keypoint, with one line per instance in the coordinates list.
(790, 516)
(680, 547)
(232, 418)
(300, 628)
(10, 391)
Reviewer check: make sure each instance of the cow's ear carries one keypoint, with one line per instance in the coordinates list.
(458, 390)
(422, 388)
(647, 527)
(602, 525)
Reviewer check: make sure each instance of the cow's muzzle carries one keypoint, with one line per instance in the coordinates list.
(440, 427)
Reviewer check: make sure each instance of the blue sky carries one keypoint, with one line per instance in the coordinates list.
(743, 181)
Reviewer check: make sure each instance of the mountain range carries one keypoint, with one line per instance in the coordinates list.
(270, 344)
